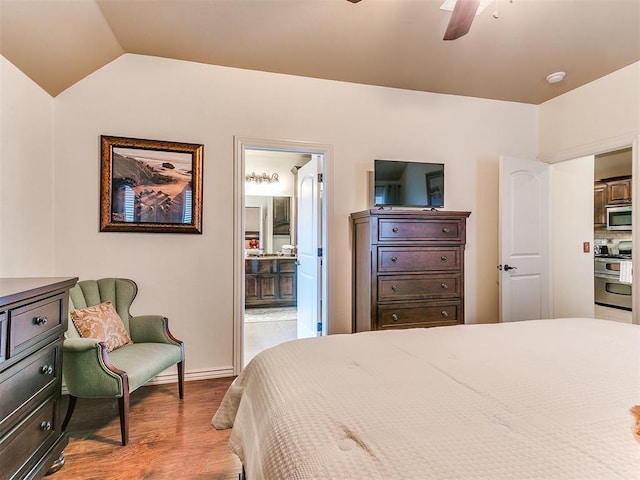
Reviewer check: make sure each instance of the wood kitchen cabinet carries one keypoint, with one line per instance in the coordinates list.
(619, 191)
(599, 205)
(270, 282)
(609, 191)
(408, 268)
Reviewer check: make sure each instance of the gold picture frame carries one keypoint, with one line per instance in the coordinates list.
(150, 186)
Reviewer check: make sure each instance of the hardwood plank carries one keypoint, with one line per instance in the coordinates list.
(168, 438)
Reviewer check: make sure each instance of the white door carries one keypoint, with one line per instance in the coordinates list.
(524, 240)
(309, 258)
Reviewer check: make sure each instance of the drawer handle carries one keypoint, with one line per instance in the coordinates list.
(394, 288)
(394, 317)
(395, 229)
(46, 369)
(445, 230)
(444, 258)
(44, 426)
(444, 286)
(444, 313)
(41, 320)
(394, 259)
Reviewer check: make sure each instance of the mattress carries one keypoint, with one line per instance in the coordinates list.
(542, 399)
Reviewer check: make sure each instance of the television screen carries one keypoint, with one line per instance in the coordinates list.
(408, 184)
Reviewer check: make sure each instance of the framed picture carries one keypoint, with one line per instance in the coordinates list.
(150, 186)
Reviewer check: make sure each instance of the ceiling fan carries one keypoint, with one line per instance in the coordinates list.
(461, 18)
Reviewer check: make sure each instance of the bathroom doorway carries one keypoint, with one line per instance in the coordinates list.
(279, 298)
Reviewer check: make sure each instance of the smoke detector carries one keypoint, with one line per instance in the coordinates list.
(555, 77)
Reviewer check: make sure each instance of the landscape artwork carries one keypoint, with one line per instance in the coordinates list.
(150, 185)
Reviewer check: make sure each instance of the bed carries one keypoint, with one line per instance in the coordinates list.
(542, 399)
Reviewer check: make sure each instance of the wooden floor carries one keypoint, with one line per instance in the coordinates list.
(168, 438)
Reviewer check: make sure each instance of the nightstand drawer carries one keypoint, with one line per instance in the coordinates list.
(418, 287)
(422, 230)
(33, 322)
(26, 382)
(419, 315)
(418, 259)
(35, 434)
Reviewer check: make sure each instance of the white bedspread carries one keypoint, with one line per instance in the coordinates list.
(546, 399)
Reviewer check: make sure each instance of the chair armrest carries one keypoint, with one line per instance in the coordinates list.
(88, 372)
(151, 329)
(75, 345)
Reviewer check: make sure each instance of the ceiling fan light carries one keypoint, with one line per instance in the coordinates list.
(555, 77)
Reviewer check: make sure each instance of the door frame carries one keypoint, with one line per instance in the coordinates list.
(605, 146)
(241, 144)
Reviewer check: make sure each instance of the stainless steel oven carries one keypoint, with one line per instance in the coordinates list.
(609, 290)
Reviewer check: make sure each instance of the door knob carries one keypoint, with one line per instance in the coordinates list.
(506, 268)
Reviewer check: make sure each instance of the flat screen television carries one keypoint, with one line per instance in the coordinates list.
(408, 184)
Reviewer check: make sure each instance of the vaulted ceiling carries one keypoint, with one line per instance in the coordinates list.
(393, 43)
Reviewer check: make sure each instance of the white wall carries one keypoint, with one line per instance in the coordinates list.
(268, 162)
(600, 116)
(572, 224)
(26, 176)
(189, 277)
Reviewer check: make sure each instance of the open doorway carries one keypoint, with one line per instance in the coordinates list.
(279, 224)
(613, 235)
(272, 287)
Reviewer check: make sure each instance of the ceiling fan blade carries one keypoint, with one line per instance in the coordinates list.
(353, 1)
(461, 18)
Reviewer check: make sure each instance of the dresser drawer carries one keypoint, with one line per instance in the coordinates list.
(419, 315)
(28, 382)
(21, 448)
(418, 259)
(33, 322)
(421, 230)
(418, 287)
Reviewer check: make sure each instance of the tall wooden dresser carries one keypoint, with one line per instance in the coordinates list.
(408, 268)
(33, 319)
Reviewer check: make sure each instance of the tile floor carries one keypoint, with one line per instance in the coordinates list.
(615, 314)
(267, 327)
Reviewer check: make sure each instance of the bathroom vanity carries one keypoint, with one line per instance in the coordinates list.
(270, 281)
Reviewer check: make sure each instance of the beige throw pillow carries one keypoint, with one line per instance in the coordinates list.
(102, 322)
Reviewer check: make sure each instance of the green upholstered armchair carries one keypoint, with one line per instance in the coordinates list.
(90, 372)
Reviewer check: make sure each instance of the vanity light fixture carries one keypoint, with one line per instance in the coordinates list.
(265, 177)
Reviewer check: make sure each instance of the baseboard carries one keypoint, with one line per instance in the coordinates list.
(188, 377)
(192, 375)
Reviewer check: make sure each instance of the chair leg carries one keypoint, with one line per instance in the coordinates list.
(123, 406)
(181, 380)
(70, 408)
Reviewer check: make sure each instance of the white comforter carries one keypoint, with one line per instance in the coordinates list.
(545, 399)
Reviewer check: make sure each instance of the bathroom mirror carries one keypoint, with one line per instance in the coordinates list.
(267, 224)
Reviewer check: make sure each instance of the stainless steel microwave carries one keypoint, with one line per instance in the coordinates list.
(619, 218)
